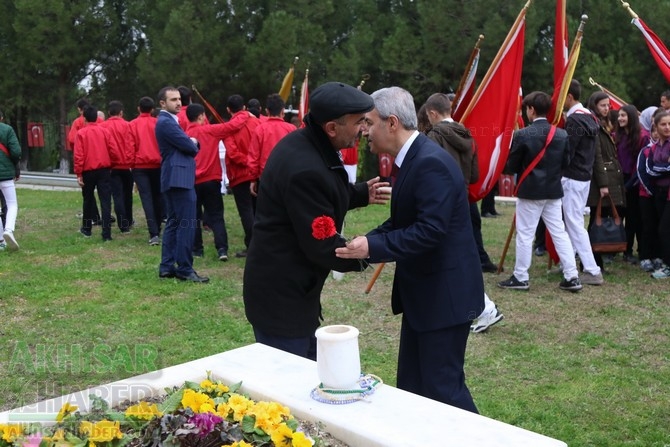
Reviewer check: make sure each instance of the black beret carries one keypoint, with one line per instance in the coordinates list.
(335, 99)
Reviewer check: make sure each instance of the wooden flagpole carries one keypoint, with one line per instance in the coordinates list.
(375, 275)
(211, 109)
(609, 93)
(468, 67)
(496, 61)
(512, 228)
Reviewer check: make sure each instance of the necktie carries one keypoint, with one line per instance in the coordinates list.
(394, 173)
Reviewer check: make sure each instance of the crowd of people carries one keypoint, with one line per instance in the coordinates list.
(292, 192)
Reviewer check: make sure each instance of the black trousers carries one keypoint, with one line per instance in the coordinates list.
(245, 208)
(149, 186)
(632, 216)
(209, 198)
(97, 179)
(430, 364)
(477, 231)
(649, 244)
(122, 193)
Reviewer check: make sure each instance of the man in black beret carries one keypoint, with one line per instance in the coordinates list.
(303, 197)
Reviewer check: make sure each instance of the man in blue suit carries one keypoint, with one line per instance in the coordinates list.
(438, 284)
(178, 187)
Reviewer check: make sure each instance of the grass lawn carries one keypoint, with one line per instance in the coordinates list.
(591, 369)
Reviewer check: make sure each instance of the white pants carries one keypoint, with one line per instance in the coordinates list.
(574, 200)
(528, 214)
(9, 191)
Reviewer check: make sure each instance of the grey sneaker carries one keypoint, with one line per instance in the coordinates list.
(647, 265)
(592, 280)
(658, 263)
(484, 322)
(154, 241)
(571, 285)
(514, 284)
(8, 236)
(3, 245)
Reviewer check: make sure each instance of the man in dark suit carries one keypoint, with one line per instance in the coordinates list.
(438, 284)
(178, 153)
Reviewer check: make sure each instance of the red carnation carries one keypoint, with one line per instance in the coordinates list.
(323, 227)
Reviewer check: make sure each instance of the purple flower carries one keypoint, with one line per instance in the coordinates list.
(205, 422)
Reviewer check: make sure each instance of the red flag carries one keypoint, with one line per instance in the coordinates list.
(492, 113)
(615, 102)
(658, 50)
(304, 99)
(561, 44)
(466, 88)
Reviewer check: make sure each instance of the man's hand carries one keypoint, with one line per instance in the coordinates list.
(253, 188)
(379, 193)
(355, 249)
(80, 181)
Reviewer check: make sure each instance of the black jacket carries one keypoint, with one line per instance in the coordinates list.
(286, 265)
(544, 181)
(582, 128)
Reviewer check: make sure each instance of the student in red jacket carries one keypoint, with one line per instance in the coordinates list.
(147, 167)
(237, 167)
(265, 137)
(92, 164)
(122, 162)
(208, 175)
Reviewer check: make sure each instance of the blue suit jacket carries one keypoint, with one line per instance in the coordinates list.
(438, 280)
(177, 154)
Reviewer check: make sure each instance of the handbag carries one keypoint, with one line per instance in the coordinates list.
(607, 234)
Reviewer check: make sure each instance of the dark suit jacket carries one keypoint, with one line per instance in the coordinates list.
(177, 152)
(438, 279)
(544, 181)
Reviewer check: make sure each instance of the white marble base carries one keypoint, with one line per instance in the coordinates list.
(390, 417)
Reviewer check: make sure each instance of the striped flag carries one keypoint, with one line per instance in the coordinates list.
(304, 98)
(492, 113)
(466, 87)
(561, 43)
(658, 50)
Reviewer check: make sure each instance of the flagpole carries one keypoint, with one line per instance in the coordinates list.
(495, 62)
(566, 85)
(364, 78)
(609, 93)
(211, 109)
(626, 6)
(468, 67)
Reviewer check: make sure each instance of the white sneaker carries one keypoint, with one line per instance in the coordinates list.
(8, 235)
(3, 245)
(486, 321)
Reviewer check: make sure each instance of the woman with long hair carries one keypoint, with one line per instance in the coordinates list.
(658, 162)
(607, 178)
(630, 140)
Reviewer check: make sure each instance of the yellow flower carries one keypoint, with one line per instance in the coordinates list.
(300, 440)
(66, 410)
(194, 400)
(206, 384)
(240, 406)
(222, 410)
(221, 389)
(10, 432)
(241, 444)
(282, 436)
(102, 431)
(143, 410)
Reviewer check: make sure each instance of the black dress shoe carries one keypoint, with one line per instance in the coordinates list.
(488, 215)
(489, 267)
(193, 277)
(166, 275)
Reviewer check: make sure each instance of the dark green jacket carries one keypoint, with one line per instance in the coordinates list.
(8, 161)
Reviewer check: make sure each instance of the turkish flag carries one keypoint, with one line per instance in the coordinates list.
(658, 49)
(492, 114)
